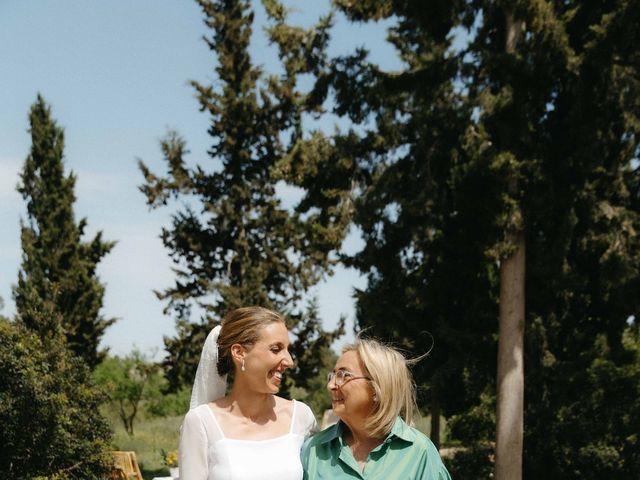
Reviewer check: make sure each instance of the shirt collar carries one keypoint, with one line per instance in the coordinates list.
(334, 432)
(400, 429)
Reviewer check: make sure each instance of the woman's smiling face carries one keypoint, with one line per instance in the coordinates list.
(353, 400)
(269, 357)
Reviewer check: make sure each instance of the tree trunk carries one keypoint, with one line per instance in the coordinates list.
(509, 424)
(510, 381)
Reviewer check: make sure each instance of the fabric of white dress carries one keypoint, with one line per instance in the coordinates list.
(206, 454)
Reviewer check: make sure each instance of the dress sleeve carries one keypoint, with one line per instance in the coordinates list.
(305, 421)
(193, 448)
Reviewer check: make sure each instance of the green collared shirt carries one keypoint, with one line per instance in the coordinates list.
(404, 454)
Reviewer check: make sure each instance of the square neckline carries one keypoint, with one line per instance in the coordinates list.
(224, 437)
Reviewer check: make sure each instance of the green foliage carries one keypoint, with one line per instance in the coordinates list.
(473, 462)
(236, 244)
(592, 415)
(472, 429)
(458, 153)
(166, 404)
(135, 391)
(128, 381)
(475, 424)
(51, 427)
(48, 404)
(414, 190)
(58, 271)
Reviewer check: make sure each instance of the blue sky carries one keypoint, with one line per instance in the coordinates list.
(115, 73)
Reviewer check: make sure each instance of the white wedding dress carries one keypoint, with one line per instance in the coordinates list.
(206, 454)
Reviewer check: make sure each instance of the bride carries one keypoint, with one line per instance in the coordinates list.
(250, 433)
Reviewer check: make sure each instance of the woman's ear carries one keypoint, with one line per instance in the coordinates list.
(376, 393)
(237, 352)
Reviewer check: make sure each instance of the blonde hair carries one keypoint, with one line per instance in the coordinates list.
(394, 387)
(242, 326)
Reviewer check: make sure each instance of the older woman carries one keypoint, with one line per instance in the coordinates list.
(373, 394)
(248, 433)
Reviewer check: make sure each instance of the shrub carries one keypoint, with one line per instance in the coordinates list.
(51, 426)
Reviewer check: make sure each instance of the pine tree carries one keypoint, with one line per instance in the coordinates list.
(543, 155)
(236, 244)
(58, 271)
(406, 174)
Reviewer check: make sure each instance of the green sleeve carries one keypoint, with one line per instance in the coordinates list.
(431, 466)
(304, 458)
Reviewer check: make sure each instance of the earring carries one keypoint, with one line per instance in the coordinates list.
(242, 366)
(375, 398)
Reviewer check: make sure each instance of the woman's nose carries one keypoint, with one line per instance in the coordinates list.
(331, 384)
(287, 360)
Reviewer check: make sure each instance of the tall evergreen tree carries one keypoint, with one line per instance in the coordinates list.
(58, 268)
(535, 144)
(414, 192)
(51, 425)
(560, 115)
(235, 244)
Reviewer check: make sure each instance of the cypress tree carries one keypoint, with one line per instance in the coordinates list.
(48, 404)
(235, 244)
(58, 268)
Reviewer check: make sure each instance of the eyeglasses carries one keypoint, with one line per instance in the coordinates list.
(343, 376)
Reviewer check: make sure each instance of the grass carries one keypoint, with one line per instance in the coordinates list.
(150, 437)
